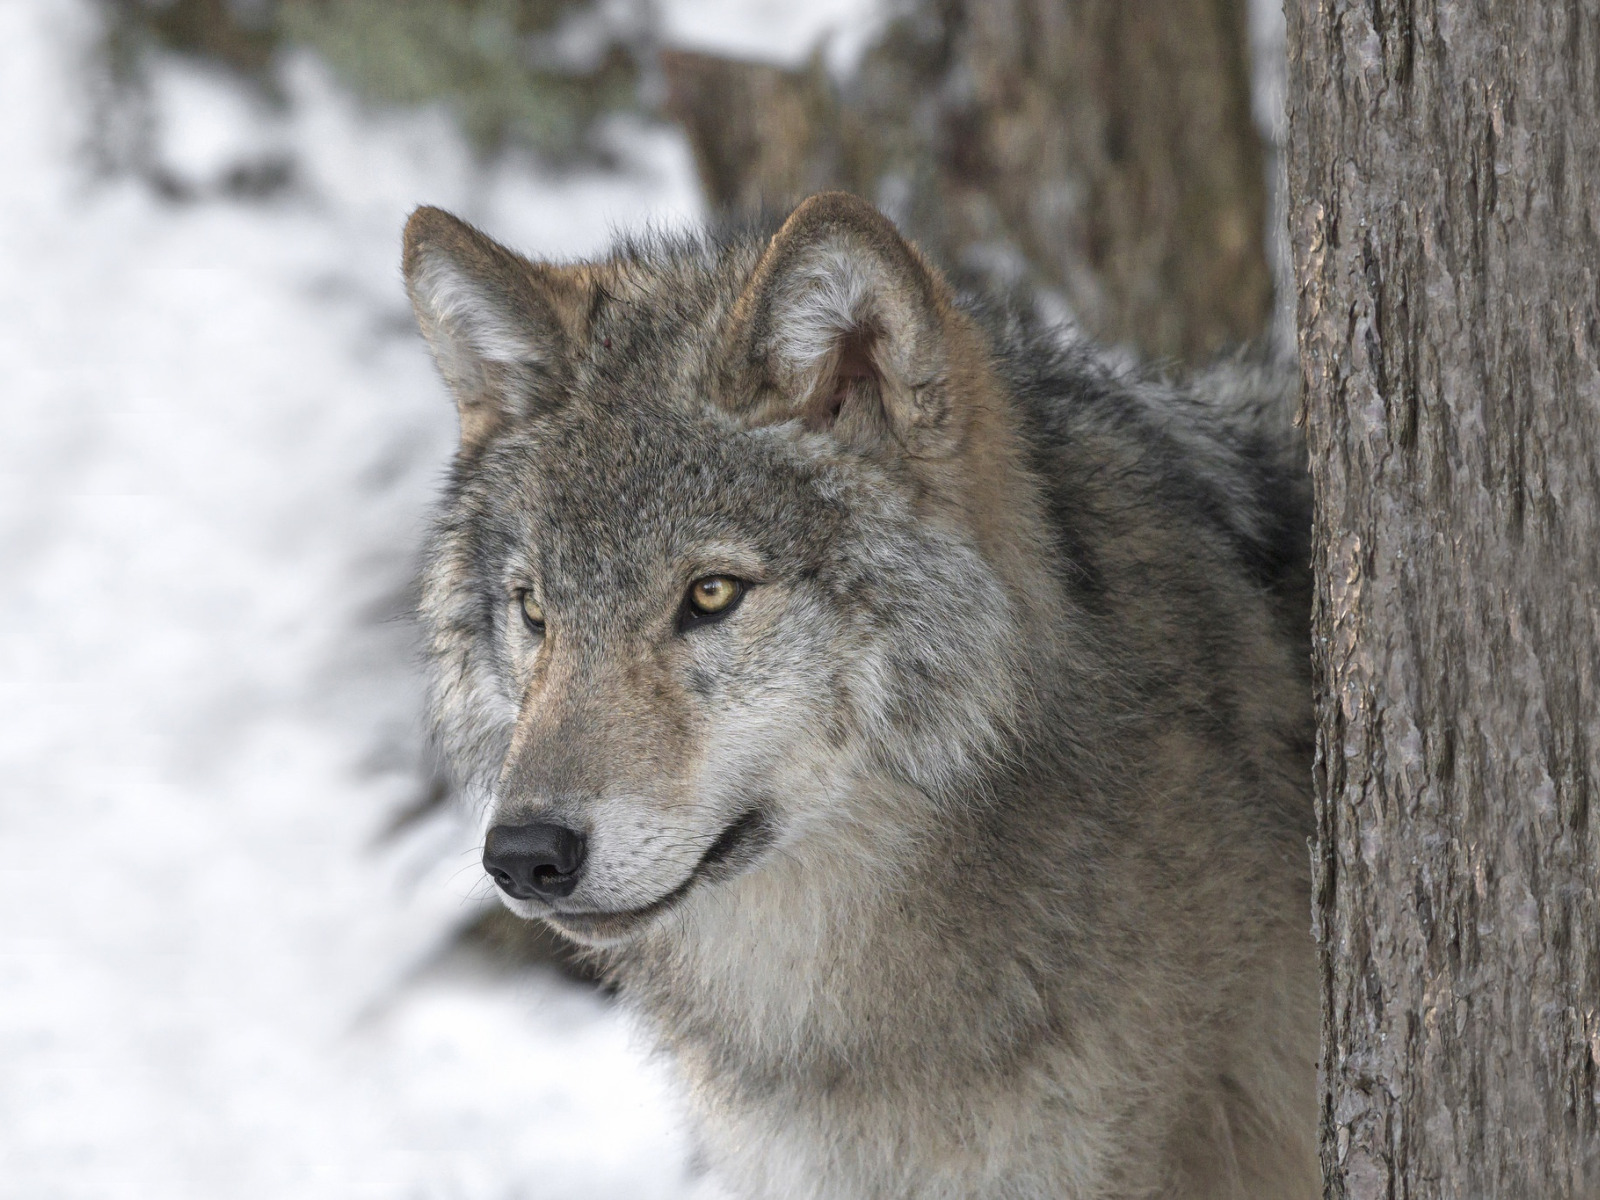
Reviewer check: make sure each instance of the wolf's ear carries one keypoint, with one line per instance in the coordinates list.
(492, 319)
(846, 325)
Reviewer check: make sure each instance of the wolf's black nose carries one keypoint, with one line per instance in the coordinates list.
(534, 860)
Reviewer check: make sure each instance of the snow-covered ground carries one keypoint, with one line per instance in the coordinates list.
(220, 437)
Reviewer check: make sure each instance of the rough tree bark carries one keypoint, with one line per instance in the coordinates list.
(1445, 212)
(1098, 148)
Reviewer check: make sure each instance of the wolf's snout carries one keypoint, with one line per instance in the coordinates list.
(540, 860)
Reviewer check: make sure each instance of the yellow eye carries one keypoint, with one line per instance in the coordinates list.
(531, 612)
(714, 594)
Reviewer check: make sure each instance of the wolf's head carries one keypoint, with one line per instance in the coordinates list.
(733, 551)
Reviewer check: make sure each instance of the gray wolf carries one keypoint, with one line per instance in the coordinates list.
(909, 709)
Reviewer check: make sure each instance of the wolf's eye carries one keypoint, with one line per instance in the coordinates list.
(710, 597)
(532, 614)
(713, 593)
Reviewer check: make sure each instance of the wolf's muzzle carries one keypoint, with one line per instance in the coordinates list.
(539, 860)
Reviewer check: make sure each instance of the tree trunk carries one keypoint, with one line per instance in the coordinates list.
(1095, 148)
(1445, 212)
(1112, 144)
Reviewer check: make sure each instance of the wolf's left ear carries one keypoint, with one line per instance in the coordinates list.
(492, 319)
(848, 328)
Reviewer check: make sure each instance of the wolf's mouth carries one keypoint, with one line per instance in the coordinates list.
(736, 848)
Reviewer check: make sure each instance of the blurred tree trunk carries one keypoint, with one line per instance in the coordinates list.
(1100, 149)
(1445, 200)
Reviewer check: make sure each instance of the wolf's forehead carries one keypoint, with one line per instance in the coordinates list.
(657, 327)
(620, 495)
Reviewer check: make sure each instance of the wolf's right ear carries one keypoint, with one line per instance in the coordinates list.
(492, 319)
(847, 328)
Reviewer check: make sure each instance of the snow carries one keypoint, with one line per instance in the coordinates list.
(784, 32)
(221, 436)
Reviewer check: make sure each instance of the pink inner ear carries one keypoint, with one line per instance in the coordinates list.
(852, 365)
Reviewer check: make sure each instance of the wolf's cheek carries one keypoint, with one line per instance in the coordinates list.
(763, 689)
(643, 847)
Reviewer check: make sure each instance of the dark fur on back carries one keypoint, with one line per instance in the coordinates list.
(968, 856)
(1216, 455)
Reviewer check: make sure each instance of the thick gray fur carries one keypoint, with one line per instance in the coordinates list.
(968, 856)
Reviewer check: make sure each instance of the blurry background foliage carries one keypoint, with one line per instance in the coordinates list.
(1099, 156)
(535, 74)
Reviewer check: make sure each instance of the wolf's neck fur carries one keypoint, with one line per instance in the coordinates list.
(821, 963)
(811, 965)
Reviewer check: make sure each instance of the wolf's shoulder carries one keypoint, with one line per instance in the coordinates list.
(1214, 450)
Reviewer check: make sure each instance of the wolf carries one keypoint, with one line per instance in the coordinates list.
(907, 707)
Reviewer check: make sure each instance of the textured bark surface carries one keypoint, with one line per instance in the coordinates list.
(1102, 149)
(1445, 211)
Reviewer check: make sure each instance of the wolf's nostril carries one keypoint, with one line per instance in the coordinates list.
(541, 859)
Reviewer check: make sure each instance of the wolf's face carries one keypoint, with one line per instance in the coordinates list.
(707, 570)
